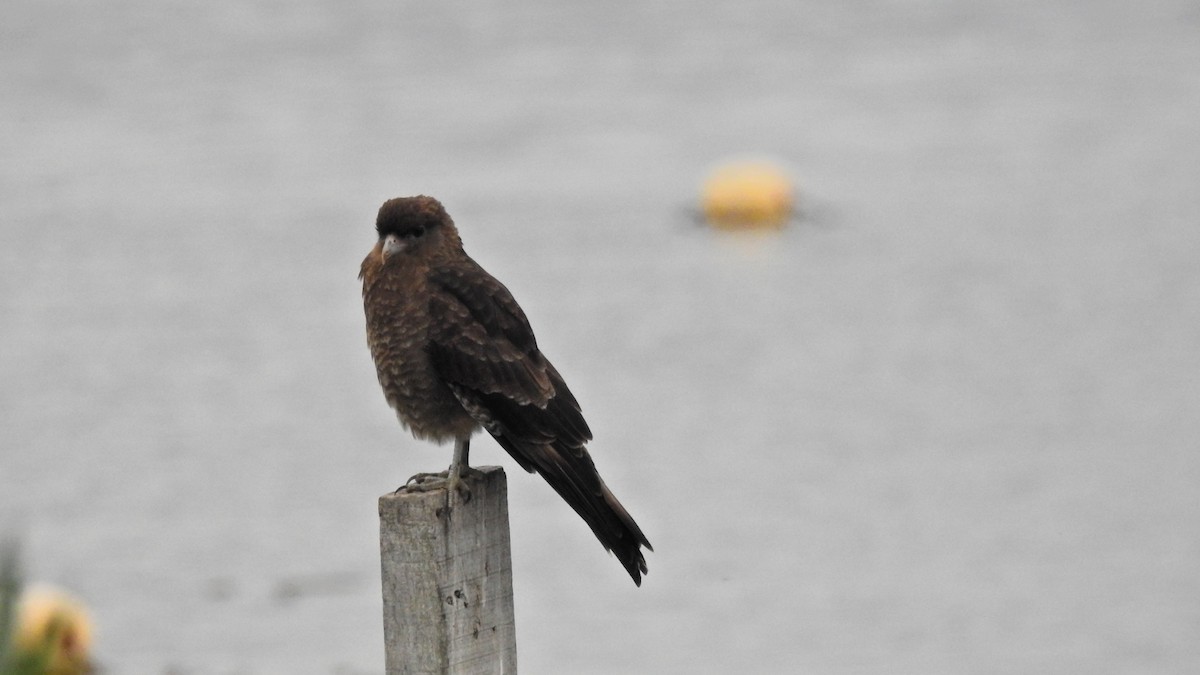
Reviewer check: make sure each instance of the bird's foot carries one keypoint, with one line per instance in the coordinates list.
(424, 482)
(454, 480)
(457, 478)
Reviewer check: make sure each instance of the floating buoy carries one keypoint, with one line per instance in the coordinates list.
(748, 195)
(50, 619)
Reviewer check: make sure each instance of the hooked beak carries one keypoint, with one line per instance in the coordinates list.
(388, 246)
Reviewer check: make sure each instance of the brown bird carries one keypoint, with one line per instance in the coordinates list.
(455, 353)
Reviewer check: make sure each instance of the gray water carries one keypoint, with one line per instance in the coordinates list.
(946, 423)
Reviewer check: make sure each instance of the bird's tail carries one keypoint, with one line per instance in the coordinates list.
(572, 474)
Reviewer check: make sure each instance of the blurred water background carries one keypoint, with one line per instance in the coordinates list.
(946, 423)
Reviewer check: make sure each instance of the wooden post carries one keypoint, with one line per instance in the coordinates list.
(447, 579)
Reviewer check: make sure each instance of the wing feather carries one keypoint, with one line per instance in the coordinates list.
(483, 348)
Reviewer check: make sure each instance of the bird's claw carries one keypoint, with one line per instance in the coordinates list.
(424, 482)
(453, 480)
(457, 479)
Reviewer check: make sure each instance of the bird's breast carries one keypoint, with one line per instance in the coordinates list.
(398, 330)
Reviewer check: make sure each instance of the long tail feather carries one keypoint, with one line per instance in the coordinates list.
(573, 475)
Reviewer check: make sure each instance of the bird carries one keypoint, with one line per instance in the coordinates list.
(455, 354)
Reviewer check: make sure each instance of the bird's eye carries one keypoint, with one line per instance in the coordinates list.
(415, 232)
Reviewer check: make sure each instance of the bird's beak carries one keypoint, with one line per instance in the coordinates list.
(389, 246)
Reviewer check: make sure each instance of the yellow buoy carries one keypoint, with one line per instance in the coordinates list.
(48, 618)
(748, 195)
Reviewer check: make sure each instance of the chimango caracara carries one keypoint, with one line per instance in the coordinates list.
(454, 353)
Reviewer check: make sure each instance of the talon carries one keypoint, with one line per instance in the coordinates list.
(458, 486)
(464, 493)
(423, 482)
(425, 477)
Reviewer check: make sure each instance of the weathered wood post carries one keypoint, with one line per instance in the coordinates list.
(447, 579)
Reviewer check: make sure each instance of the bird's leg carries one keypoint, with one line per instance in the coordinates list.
(453, 477)
(458, 466)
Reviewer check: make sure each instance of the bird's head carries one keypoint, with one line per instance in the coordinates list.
(414, 226)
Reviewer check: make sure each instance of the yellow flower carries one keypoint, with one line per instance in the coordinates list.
(49, 618)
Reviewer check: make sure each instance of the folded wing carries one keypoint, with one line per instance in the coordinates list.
(484, 350)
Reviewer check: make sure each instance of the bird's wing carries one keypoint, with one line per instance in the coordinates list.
(483, 348)
(481, 344)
